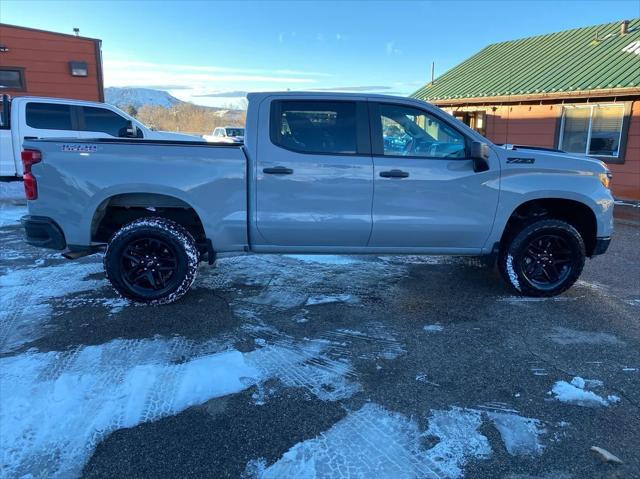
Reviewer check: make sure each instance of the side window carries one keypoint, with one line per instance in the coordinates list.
(314, 126)
(103, 120)
(408, 131)
(49, 116)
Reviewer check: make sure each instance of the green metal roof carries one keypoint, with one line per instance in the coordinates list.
(590, 58)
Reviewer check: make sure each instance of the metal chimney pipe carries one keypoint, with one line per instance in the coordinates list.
(624, 27)
(433, 71)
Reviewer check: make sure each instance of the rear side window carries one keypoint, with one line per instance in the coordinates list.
(103, 120)
(314, 126)
(49, 116)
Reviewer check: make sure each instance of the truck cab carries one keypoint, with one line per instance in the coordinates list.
(41, 117)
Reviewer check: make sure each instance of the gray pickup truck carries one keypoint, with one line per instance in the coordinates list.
(318, 173)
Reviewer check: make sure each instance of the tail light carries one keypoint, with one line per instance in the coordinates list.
(30, 158)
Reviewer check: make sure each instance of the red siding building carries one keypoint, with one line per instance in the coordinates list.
(40, 63)
(576, 90)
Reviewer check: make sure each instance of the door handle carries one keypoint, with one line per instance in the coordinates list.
(278, 170)
(394, 174)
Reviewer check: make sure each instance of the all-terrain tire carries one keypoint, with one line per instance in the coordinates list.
(152, 261)
(526, 260)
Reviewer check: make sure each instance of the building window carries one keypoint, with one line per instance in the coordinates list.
(12, 78)
(592, 130)
(476, 120)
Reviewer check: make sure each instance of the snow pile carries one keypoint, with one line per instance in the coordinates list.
(520, 435)
(577, 392)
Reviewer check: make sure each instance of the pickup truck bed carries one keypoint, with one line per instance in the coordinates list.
(89, 178)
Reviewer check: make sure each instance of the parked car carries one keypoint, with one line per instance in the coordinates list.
(40, 117)
(314, 176)
(226, 134)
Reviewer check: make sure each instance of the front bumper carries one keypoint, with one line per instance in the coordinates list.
(602, 244)
(43, 232)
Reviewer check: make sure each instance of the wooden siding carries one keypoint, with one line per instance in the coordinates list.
(45, 57)
(538, 125)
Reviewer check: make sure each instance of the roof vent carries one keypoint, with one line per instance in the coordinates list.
(624, 27)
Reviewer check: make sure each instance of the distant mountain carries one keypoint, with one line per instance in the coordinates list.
(138, 97)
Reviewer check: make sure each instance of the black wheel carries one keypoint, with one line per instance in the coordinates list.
(544, 258)
(152, 261)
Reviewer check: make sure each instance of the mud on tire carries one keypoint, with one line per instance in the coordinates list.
(152, 261)
(543, 258)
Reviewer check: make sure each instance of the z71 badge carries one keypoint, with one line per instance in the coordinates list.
(79, 148)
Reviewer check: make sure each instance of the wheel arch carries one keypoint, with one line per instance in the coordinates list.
(113, 211)
(573, 211)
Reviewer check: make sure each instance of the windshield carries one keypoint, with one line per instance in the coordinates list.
(235, 131)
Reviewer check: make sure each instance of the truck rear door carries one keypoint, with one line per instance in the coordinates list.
(314, 184)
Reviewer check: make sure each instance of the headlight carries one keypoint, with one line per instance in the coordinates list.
(605, 178)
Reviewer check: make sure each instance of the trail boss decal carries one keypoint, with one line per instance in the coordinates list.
(79, 148)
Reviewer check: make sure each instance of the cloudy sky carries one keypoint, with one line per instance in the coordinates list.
(210, 53)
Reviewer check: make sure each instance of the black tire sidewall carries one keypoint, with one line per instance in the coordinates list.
(511, 258)
(166, 230)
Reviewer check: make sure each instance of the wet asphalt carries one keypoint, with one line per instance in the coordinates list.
(484, 348)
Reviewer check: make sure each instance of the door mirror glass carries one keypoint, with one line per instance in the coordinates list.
(130, 131)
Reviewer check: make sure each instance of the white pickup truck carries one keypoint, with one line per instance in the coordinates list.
(226, 134)
(318, 173)
(41, 117)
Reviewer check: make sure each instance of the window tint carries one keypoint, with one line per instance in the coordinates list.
(235, 131)
(103, 120)
(49, 116)
(592, 129)
(315, 126)
(408, 131)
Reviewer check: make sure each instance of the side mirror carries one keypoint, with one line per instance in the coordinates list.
(129, 131)
(480, 156)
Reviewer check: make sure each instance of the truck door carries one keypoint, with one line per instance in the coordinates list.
(427, 194)
(314, 174)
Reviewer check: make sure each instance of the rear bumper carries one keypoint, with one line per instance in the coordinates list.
(43, 232)
(602, 244)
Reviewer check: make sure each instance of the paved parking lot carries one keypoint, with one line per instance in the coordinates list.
(319, 366)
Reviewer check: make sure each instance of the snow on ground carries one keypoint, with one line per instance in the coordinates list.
(287, 282)
(433, 328)
(325, 259)
(12, 203)
(10, 214)
(375, 442)
(58, 405)
(27, 294)
(578, 392)
(12, 190)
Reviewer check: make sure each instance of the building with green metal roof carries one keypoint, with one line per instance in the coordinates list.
(577, 90)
